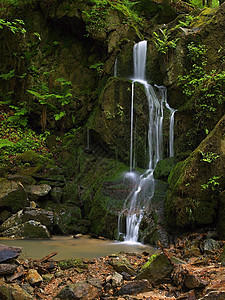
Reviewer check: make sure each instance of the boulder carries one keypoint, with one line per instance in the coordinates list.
(12, 195)
(29, 230)
(7, 252)
(134, 287)
(80, 290)
(37, 192)
(37, 214)
(157, 269)
(33, 277)
(13, 291)
(120, 264)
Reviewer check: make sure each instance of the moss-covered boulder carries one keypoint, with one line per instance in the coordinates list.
(29, 230)
(12, 196)
(157, 269)
(39, 215)
(196, 184)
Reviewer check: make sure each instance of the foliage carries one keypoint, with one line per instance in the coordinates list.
(209, 156)
(205, 88)
(187, 22)
(164, 42)
(15, 26)
(97, 67)
(212, 184)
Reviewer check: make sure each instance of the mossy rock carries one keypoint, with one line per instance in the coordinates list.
(156, 270)
(164, 167)
(32, 158)
(195, 184)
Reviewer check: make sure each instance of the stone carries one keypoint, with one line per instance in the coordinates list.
(117, 279)
(134, 287)
(25, 180)
(164, 167)
(36, 192)
(4, 215)
(210, 246)
(192, 282)
(30, 230)
(80, 290)
(12, 195)
(9, 292)
(34, 277)
(120, 264)
(157, 269)
(47, 277)
(6, 269)
(45, 217)
(7, 252)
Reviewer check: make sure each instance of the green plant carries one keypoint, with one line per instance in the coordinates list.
(164, 42)
(212, 184)
(209, 156)
(15, 26)
(97, 67)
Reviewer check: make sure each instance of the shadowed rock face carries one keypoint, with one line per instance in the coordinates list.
(196, 185)
(7, 252)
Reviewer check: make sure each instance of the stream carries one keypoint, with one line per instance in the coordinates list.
(71, 248)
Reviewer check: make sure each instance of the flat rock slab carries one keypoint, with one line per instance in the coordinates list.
(7, 252)
(6, 269)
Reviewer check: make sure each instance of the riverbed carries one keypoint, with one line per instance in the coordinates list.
(69, 247)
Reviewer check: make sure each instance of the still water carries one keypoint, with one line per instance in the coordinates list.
(68, 247)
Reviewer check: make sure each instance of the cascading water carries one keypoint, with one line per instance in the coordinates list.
(142, 186)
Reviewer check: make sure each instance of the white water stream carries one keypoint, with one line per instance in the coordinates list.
(143, 188)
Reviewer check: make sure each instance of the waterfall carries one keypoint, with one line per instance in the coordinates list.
(142, 186)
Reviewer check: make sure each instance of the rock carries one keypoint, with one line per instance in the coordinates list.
(126, 276)
(117, 279)
(6, 269)
(120, 264)
(4, 215)
(134, 287)
(36, 192)
(37, 214)
(80, 290)
(192, 282)
(9, 292)
(47, 277)
(56, 194)
(210, 246)
(164, 167)
(156, 269)
(7, 252)
(12, 195)
(34, 277)
(32, 158)
(25, 180)
(30, 230)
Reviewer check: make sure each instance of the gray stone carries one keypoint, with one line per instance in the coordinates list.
(30, 230)
(36, 192)
(134, 287)
(117, 279)
(80, 290)
(39, 215)
(210, 246)
(7, 252)
(156, 269)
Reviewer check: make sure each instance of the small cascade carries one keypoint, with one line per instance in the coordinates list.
(115, 68)
(142, 186)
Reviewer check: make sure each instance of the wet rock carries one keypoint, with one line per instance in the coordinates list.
(33, 277)
(36, 192)
(117, 279)
(30, 230)
(7, 252)
(120, 264)
(39, 215)
(9, 292)
(12, 195)
(192, 281)
(134, 287)
(80, 290)
(6, 269)
(210, 246)
(156, 269)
